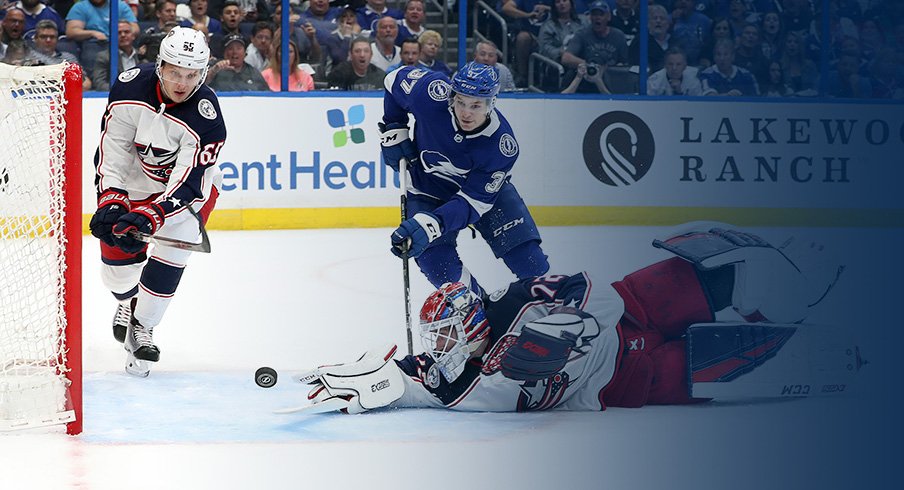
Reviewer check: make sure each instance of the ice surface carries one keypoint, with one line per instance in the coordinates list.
(296, 299)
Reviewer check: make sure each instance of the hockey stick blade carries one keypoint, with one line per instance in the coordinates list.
(771, 360)
(330, 405)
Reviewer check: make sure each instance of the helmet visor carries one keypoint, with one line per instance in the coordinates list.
(179, 75)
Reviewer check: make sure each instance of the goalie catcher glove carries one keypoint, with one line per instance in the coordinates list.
(415, 234)
(771, 284)
(545, 345)
(373, 381)
(396, 145)
(145, 219)
(111, 205)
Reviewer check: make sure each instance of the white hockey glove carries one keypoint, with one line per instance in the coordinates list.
(373, 381)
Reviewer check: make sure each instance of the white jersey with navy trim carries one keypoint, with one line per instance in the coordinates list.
(464, 170)
(482, 386)
(150, 149)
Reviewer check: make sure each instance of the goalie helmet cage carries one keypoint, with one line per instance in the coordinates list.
(40, 247)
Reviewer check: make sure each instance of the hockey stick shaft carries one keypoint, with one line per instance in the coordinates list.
(203, 246)
(406, 276)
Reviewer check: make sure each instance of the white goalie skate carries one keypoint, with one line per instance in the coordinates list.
(139, 343)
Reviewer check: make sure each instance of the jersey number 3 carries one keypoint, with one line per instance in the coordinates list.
(496, 184)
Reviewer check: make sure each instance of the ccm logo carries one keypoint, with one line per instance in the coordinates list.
(796, 390)
(382, 385)
(539, 350)
(508, 226)
(833, 388)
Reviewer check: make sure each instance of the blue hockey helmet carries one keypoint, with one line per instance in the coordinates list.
(476, 80)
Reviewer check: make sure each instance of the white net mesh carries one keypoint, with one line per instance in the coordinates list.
(32, 248)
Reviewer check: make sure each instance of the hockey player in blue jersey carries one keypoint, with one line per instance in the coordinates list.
(575, 342)
(460, 162)
(160, 136)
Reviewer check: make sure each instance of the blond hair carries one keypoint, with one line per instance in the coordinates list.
(430, 35)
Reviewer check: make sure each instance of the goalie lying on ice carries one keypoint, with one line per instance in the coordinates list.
(573, 343)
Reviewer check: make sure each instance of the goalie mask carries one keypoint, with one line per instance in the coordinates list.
(186, 48)
(453, 328)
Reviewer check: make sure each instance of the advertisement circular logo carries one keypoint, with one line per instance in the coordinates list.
(618, 148)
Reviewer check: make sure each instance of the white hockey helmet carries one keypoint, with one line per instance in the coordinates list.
(186, 48)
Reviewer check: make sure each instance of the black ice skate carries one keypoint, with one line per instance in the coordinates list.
(139, 342)
(121, 321)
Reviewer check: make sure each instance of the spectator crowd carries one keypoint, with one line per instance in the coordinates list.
(772, 48)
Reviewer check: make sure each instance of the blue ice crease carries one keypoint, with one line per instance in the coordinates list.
(227, 407)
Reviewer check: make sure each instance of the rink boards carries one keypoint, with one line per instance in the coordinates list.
(314, 162)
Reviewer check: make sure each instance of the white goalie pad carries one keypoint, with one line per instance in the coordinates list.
(737, 360)
(373, 381)
(776, 284)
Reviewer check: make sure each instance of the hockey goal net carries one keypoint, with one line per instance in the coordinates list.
(40, 247)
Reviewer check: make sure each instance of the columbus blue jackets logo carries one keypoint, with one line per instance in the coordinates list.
(543, 395)
(206, 109)
(157, 163)
(439, 165)
(128, 75)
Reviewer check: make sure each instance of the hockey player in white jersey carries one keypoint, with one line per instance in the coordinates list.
(576, 343)
(160, 136)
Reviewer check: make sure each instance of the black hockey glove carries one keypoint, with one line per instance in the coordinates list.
(396, 145)
(415, 234)
(145, 220)
(111, 205)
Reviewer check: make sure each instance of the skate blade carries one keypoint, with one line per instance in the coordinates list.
(137, 367)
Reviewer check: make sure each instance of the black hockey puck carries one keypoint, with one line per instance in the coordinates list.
(265, 377)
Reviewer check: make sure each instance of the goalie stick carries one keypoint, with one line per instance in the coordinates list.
(728, 360)
(331, 405)
(203, 246)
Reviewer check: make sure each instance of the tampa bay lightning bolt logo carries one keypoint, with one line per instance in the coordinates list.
(618, 148)
(438, 90)
(157, 163)
(439, 165)
(507, 145)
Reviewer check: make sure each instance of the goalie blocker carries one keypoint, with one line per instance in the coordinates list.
(373, 381)
(743, 360)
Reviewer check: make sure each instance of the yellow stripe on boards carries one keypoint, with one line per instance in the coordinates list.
(385, 217)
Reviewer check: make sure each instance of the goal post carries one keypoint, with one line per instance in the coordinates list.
(40, 247)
